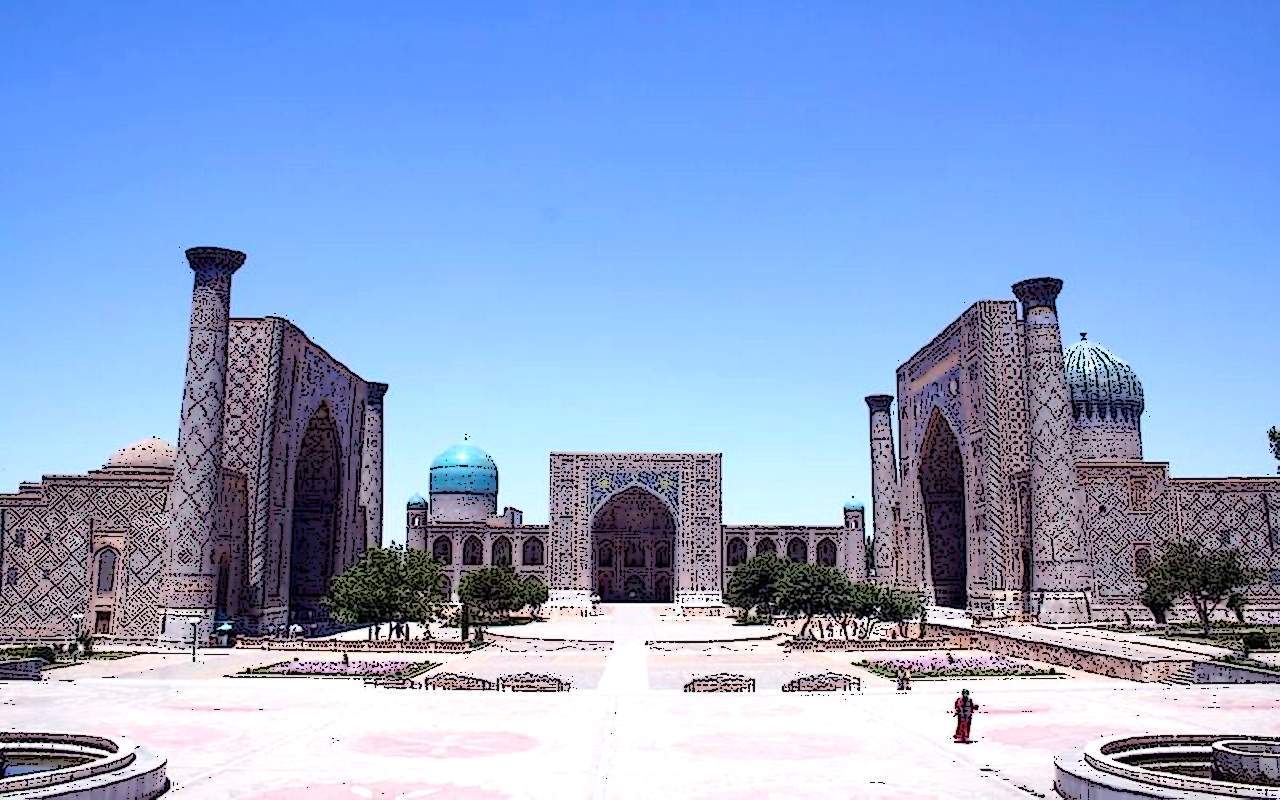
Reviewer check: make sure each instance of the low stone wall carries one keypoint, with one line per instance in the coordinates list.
(21, 669)
(953, 642)
(723, 682)
(1220, 672)
(361, 645)
(1112, 666)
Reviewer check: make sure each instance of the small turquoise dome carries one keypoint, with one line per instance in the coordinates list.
(1101, 384)
(464, 469)
(417, 501)
(853, 504)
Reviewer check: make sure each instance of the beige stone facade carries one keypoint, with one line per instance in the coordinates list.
(1018, 488)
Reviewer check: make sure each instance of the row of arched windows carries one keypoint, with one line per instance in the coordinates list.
(797, 550)
(633, 555)
(532, 552)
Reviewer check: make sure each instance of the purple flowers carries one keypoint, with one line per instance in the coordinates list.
(946, 665)
(370, 669)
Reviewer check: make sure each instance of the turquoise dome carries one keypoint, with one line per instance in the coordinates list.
(1101, 384)
(464, 469)
(853, 504)
(417, 501)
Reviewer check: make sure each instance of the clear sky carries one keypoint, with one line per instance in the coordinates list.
(660, 226)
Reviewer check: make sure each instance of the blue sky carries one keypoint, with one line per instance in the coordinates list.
(711, 226)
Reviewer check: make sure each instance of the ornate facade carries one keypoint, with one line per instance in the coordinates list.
(624, 527)
(1019, 488)
(275, 485)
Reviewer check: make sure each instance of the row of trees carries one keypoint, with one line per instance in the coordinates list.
(396, 585)
(770, 586)
(1208, 578)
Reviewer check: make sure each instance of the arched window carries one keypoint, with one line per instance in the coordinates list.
(604, 558)
(827, 553)
(222, 593)
(633, 555)
(500, 552)
(472, 552)
(531, 552)
(107, 570)
(446, 587)
(1141, 561)
(766, 547)
(797, 550)
(662, 556)
(735, 552)
(442, 550)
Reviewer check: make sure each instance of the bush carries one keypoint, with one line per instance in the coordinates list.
(41, 651)
(1256, 640)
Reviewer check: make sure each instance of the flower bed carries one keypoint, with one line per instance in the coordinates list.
(946, 665)
(337, 669)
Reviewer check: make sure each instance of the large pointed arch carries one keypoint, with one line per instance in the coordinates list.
(638, 528)
(941, 468)
(313, 534)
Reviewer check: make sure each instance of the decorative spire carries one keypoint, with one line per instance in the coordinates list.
(1084, 335)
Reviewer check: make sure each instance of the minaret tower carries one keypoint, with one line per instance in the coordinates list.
(1060, 570)
(188, 590)
(371, 466)
(884, 486)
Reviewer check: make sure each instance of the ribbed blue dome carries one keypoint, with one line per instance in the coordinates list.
(1101, 384)
(417, 501)
(853, 504)
(464, 469)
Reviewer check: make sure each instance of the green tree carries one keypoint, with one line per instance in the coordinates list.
(1158, 593)
(534, 592)
(808, 590)
(1274, 436)
(865, 598)
(754, 584)
(1207, 577)
(491, 591)
(899, 607)
(423, 589)
(369, 591)
(1237, 602)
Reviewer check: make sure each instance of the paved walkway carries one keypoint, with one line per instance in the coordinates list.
(627, 669)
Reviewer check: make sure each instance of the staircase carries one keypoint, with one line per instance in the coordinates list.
(1184, 675)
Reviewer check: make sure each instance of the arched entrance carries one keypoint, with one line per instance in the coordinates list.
(315, 518)
(633, 537)
(942, 487)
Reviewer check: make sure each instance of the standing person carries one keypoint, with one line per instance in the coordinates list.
(902, 679)
(964, 716)
(906, 678)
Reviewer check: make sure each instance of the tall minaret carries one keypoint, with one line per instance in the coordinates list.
(371, 466)
(1060, 570)
(884, 486)
(188, 590)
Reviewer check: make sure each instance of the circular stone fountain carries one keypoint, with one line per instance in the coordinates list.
(76, 767)
(1192, 767)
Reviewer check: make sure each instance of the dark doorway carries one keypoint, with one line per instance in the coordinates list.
(942, 486)
(315, 518)
(633, 537)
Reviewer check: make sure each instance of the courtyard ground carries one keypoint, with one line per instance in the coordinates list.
(626, 731)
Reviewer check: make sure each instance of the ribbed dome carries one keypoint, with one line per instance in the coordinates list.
(416, 501)
(464, 469)
(149, 453)
(1101, 384)
(853, 504)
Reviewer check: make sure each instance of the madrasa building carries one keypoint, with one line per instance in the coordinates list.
(1018, 488)
(275, 486)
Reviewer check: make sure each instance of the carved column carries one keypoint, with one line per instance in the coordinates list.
(1060, 573)
(371, 466)
(884, 486)
(188, 590)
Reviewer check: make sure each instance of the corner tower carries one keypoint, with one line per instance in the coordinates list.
(189, 587)
(1060, 570)
(884, 486)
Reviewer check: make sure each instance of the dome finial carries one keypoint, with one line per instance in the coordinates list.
(1084, 335)
(466, 437)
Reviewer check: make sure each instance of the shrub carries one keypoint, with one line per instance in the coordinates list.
(1256, 640)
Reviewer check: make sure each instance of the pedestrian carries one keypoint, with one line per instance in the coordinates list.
(346, 660)
(964, 709)
(906, 677)
(902, 679)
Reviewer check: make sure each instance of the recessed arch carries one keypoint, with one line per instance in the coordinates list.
(766, 547)
(500, 552)
(735, 551)
(313, 533)
(105, 574)
(472, 552)
(942, 489)
(632, 538)
(532, 552)
(442, 550)
(826, 553)
(797, 550)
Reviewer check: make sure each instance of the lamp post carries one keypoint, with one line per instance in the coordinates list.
(195, 627)
(75, 638)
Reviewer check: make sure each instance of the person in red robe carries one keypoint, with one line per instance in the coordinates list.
(964, 716)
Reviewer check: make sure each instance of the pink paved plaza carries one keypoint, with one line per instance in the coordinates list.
(625, 731)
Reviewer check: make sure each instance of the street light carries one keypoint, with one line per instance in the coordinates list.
(195, 625)
(75, 639)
